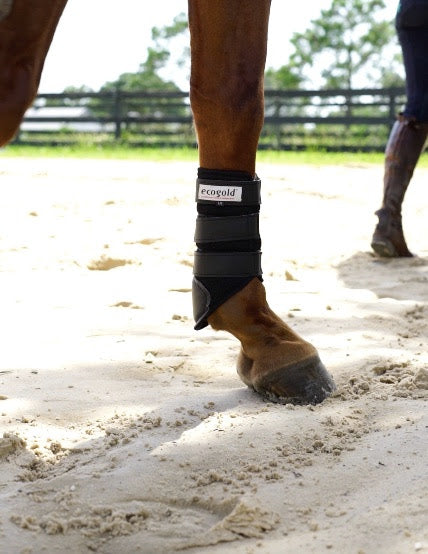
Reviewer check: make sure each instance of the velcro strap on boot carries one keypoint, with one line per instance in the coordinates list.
(227, 264)
(223, 193)
(226, 229)
(228, 241)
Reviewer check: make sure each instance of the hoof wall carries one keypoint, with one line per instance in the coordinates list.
(305, 383)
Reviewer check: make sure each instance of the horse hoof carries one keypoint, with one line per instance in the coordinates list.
(306, 382)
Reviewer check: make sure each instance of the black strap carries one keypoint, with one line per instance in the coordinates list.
(213, 191)
(227, 264)
(226, 229)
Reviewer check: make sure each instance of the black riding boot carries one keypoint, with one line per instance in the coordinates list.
(405, 144)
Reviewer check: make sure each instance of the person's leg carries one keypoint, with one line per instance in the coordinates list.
(405, 144)
(26, 31)
(408, 135)
(228, 50)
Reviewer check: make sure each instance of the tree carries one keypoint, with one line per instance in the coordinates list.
(178, 31)
(147, 78)
(285, 77)
(393, 74)
(124, 98)
(83, 89)
(349, 41)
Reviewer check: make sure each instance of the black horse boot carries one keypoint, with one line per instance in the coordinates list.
(405, 144)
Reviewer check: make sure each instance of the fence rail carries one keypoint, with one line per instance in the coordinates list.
(330, 120)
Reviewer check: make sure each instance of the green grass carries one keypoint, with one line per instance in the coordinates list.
(121, 152)
(89, 151)
(320, 158)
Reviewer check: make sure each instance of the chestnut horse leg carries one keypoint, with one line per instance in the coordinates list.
(228, 51)
(26, 32)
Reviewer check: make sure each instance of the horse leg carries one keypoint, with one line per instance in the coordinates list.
(228, 51)
(26, 31)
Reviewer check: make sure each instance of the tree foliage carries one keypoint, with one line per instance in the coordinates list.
(148, 77)
(349, 41)
(285, 77)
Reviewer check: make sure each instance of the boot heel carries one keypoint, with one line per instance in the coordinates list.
(384, 248)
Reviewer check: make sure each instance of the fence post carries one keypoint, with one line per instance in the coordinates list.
(278, 132)
(17, 138)
(392, 106)
(117, 114)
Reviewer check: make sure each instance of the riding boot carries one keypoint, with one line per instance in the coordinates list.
(404, 147)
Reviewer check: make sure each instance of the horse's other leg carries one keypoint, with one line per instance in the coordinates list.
(228, 50)
(26, 31)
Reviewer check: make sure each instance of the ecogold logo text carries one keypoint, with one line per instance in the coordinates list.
(217, 193)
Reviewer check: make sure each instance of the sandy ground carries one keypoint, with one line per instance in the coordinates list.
(124, 430)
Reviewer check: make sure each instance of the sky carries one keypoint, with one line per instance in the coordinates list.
(97, 40)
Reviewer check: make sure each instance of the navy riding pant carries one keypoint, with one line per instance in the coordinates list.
(412, 28)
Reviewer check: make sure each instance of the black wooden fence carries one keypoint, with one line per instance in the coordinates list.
(329, 120)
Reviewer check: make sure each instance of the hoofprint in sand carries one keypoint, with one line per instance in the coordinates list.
(123, 430)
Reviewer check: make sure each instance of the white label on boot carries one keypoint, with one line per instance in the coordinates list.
(216, 193)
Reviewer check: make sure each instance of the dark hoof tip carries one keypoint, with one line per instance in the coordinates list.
(307, 382)
(384, 249)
